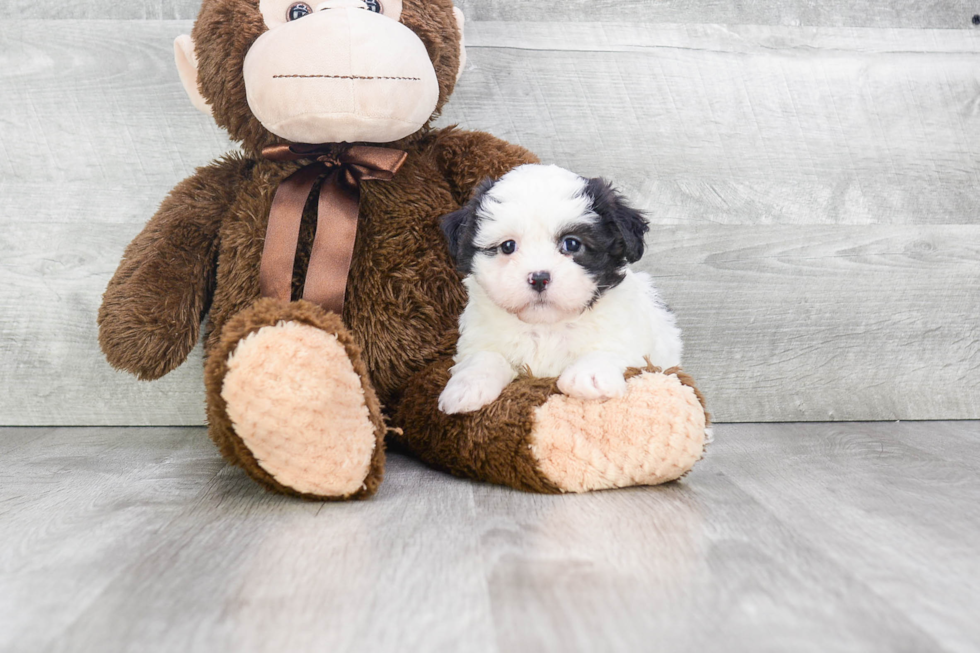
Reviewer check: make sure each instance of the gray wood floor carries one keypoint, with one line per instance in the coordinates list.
(788, 537)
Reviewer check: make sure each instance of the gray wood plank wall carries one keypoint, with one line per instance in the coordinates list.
(812, 176)
(944, 14)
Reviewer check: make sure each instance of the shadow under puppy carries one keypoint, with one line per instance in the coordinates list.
(546, 255)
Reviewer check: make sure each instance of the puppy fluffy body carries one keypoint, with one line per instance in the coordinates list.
(546, 256)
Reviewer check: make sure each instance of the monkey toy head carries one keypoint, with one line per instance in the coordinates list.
(321, 71)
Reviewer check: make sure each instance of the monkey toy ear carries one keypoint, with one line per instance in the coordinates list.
(186, 61)
(460, 21)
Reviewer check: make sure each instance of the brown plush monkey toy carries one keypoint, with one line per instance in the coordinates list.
(333, 300)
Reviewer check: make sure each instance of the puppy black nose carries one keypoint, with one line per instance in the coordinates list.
(539, 280)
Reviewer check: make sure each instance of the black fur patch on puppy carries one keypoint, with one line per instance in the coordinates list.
(612, 242)
(461, 227)
(616, 214)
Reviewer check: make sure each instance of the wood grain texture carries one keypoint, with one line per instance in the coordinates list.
(954, 14)
(53, 372)
(742, 125)
(812, 323)
(321, 572)
(815, 537)
(880, 507)
(78, 506)
(101, 10)
(947, 14)
(94, 124)
(826, 322)
(952, 442)
(697, 123)
(813, 193)
(700, 566)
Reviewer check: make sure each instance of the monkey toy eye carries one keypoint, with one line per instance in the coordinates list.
(508, 247)
(374, 5)
(571, 245)
(297, 10)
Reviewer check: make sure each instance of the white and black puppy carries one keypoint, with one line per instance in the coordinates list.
(546, 255)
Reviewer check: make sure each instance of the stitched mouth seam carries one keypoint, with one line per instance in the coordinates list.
(405, 79)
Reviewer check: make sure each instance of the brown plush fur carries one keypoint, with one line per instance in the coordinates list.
(151, 312)
(687, 380)
(491, 444)
(203, 247)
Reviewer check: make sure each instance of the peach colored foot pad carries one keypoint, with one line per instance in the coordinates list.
(654, 434)
(298, 405)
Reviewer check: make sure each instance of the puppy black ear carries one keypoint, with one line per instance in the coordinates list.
(454, 225)
(613, 209)
(460, 227)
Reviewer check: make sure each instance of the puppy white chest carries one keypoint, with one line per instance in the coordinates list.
(550, 348)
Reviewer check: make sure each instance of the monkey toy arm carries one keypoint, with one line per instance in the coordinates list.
(152, 310)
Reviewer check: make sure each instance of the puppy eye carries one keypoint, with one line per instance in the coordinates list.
(374, 5)
(571, 245)
(508, 247)
(297, 10)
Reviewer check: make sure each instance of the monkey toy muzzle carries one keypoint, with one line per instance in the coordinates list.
(340, 74)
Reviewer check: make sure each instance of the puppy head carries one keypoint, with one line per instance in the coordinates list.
(545, 243)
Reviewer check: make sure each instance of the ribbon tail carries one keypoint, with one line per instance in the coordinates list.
(282, 234)
(333, 245)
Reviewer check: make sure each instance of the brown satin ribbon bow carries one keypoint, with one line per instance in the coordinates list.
(336, 222)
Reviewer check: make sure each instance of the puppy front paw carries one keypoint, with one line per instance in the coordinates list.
(466, 393)
(592, 382)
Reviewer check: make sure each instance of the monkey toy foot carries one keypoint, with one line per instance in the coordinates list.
(289, 401)
(651, 435)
